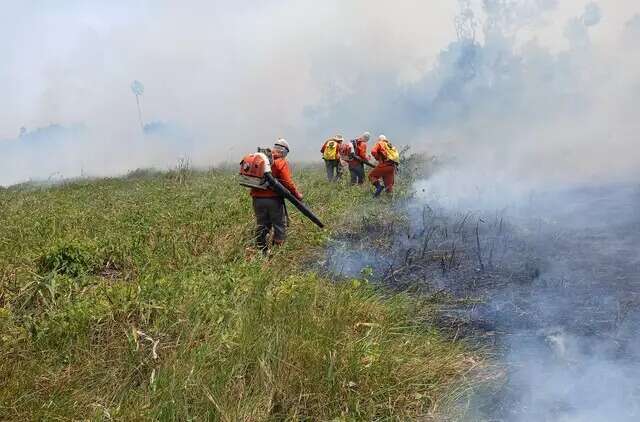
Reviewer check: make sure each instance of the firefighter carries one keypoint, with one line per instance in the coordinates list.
(358, 158)
(331, 155)
(388, 158)
(346, 153)
(268, 206)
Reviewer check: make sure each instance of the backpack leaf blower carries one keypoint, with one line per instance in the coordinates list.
(354, 156)
(255, 172)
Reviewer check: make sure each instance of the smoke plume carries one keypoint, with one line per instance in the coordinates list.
(523, 102)
(536, 87)
(534, 204)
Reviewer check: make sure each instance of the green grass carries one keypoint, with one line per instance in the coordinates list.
(140, 298)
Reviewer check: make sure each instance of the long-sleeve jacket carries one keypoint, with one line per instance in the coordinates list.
(346, 151)
(378, 152)
(280, 170)
(324, 146)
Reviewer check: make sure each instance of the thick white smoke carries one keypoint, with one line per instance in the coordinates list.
(236, 74)
(513, 112)
(513, 95)
(514, 120)
(231, 74)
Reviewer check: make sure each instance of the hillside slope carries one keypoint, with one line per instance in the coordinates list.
(137, 298)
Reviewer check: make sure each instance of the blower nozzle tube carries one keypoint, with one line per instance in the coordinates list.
(284, 192)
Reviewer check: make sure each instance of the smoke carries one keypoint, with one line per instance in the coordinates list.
(515, 97)
(513, 82)
(510, 109)
(547, 138)
(233, 74)
(572, 337)
(555, 288)
(543, 137)
(535, 116)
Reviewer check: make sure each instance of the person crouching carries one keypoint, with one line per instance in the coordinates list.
(387, 157)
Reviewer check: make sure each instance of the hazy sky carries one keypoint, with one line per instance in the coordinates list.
(234, 73)
(203, 63)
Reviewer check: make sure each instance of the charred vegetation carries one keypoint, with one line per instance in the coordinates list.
(552, 285)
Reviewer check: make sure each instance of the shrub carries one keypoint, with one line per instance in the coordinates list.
(67, 259)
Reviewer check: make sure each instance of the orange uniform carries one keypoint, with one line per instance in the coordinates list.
(360, 152)
(385, 169)
(378, 152)
(280, 170)
(345, 150)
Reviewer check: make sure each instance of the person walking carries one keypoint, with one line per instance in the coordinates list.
(268, 206)
(331, 155)
(358, 158)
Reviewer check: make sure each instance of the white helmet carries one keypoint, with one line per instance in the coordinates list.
(382, 138)
(282, 143)
(366, 136)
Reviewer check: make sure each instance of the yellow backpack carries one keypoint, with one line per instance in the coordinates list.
(390, 152)
(330, 151)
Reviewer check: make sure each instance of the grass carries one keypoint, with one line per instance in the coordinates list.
(139, 298)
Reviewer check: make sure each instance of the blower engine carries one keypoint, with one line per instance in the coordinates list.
(255, 172)
(253, 168)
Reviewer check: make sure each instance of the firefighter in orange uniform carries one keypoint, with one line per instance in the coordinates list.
(359, 156)
(387, 157)
(268, 206)
(331, 155)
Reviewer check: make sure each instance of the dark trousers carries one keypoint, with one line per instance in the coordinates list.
(270, 213)
(357, 173)
(333, 166)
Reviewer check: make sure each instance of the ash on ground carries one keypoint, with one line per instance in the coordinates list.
(554, 286)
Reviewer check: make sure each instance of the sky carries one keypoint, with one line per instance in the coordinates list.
(237, 74)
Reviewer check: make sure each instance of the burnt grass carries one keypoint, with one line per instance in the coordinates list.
(553, 283)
